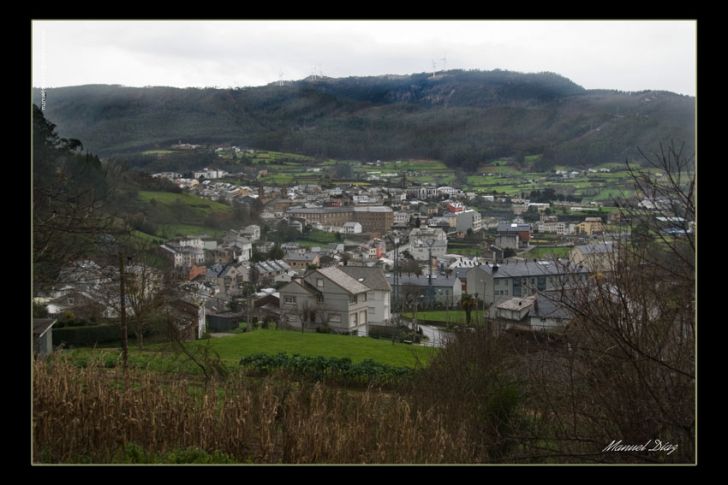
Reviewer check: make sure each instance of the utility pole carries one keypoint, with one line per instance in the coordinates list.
(124, 329)
(485, 321)
(395, 277)
(429, 277)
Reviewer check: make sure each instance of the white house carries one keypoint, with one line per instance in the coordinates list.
(352, 228)
(533, 313)
(469, 219)
(379, 298)
(192, 242)
(446, 190)
(251, 232)
(401, 217)
(326, 296)
(422, 240)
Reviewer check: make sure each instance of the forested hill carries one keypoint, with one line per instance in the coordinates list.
(461, 117)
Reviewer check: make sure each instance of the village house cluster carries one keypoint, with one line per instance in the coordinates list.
(397, 249)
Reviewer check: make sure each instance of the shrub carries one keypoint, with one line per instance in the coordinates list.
(110, 361)
(86, 336)
(340, 370)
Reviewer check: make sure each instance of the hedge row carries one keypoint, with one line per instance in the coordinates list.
(341, 370)
(86, 336)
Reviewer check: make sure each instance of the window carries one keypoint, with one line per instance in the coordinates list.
(320, 282)
(334, 317)
(541, 285)
(365, 297)
(352, 299)
(354, 317)
(516, 287)
(289, 299)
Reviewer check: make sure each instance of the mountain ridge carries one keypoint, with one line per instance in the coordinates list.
(461, 117)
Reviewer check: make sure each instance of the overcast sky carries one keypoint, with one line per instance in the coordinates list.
(624, 55)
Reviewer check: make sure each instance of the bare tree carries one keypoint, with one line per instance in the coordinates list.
(628, 371)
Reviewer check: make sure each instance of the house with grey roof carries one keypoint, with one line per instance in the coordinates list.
(232, 278)
(300, 260)
(596, 257)
(326, 296)
(538, 312)
(500, 282)
(512, 235)
(440, 290)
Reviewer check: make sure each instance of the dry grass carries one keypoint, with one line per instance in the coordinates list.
(90, 414)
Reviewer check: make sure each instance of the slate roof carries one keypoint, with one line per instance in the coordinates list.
(41, 325)
(307, 256)
(371, 277)
(510, 227)
(343, 280)
(521, 269)
(551, 308)
(373, 209)
(272, 266)
(517, 303)
(598, 248)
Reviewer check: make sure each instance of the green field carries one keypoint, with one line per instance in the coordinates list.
(500, 176)
(317, 238)
(466, 251)
(547, 252)
(182, 214)
(232, 348)
(158, 153)
(175, 230)
(205, 206)
(328, 345)
(144, 236)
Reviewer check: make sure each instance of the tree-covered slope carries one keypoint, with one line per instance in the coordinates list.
(461, 117)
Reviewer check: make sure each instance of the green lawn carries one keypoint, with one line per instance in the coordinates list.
(316, 238)
(466, 251)
(232, 348)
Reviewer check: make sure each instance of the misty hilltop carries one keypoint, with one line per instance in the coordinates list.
(461, 117)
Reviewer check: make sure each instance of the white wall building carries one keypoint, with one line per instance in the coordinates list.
(192, 242)
(401, 217)
(555, 227)
(469, 219)
(352, 228)
(251, 232)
